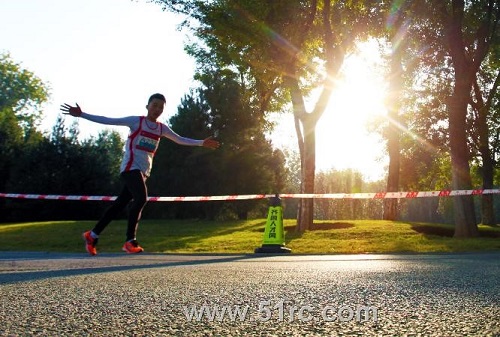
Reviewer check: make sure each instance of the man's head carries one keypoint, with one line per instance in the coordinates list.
(157, 96)
(156, 103)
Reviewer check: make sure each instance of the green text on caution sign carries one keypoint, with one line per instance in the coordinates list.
(274, 233)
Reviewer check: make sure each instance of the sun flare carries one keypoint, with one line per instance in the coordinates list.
(343, 137)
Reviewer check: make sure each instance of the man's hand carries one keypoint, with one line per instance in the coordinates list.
(211, 143)
(74, 111)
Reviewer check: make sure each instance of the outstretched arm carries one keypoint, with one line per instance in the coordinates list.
(76, 111)
(207, 142)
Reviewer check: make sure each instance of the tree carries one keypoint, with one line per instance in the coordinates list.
(11, 138)
(248, 163)
(64, 165)
(468, 28)
(457, 36)
(411, 121)
(418, 82)
(21, 92)
(245, 163)
(485, 92)
(393, 130)
(21, 97)
(286, 49)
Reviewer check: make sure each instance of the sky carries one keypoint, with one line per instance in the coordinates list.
(109, 56)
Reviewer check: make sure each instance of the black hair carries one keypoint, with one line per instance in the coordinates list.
(157, 96)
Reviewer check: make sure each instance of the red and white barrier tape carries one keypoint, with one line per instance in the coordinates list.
(379, 195)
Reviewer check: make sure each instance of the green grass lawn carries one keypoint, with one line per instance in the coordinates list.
(193, 236)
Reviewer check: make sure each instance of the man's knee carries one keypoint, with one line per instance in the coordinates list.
(140, 202)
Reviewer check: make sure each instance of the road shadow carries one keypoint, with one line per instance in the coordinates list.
(27, 275)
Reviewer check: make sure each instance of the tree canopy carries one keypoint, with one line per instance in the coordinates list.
(285, 49)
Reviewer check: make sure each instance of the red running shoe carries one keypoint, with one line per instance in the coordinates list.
(90, 243)
(132, 247)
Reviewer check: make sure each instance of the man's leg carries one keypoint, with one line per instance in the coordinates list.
(136, 184)
(91, 237)
(110, 214)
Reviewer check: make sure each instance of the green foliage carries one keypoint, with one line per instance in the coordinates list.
(418, 34)
(11, 139)
(61, 164)
(21, 92)
(55, 164)
(245, 163)
(244, 49)
(21, 96)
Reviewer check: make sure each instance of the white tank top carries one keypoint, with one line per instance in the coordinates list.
(143, 140)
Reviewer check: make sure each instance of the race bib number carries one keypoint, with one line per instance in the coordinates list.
(147, 141)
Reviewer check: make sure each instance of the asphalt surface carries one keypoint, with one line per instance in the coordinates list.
(52, 294)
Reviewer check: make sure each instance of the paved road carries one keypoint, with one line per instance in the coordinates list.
(51, 294)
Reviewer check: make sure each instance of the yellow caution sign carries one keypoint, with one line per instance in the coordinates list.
(274, 233)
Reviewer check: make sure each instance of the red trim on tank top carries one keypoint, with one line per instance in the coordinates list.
(130, 145)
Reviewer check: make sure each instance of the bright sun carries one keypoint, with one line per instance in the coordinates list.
(342, 137)
(343, 140)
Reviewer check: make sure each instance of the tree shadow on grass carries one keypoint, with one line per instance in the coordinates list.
(317, 226)
(177, 236)
(292, 234)
(331, 225)
(449, 231)
(154, 235)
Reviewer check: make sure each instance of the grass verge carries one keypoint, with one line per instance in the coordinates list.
(192, 236)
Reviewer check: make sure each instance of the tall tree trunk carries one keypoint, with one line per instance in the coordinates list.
(487, 204)
(464, 214)
(309, 166)
(393, 133)
(300, 140)
(466, 55)
(482, 107)
(334, 57)
(306, 141)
